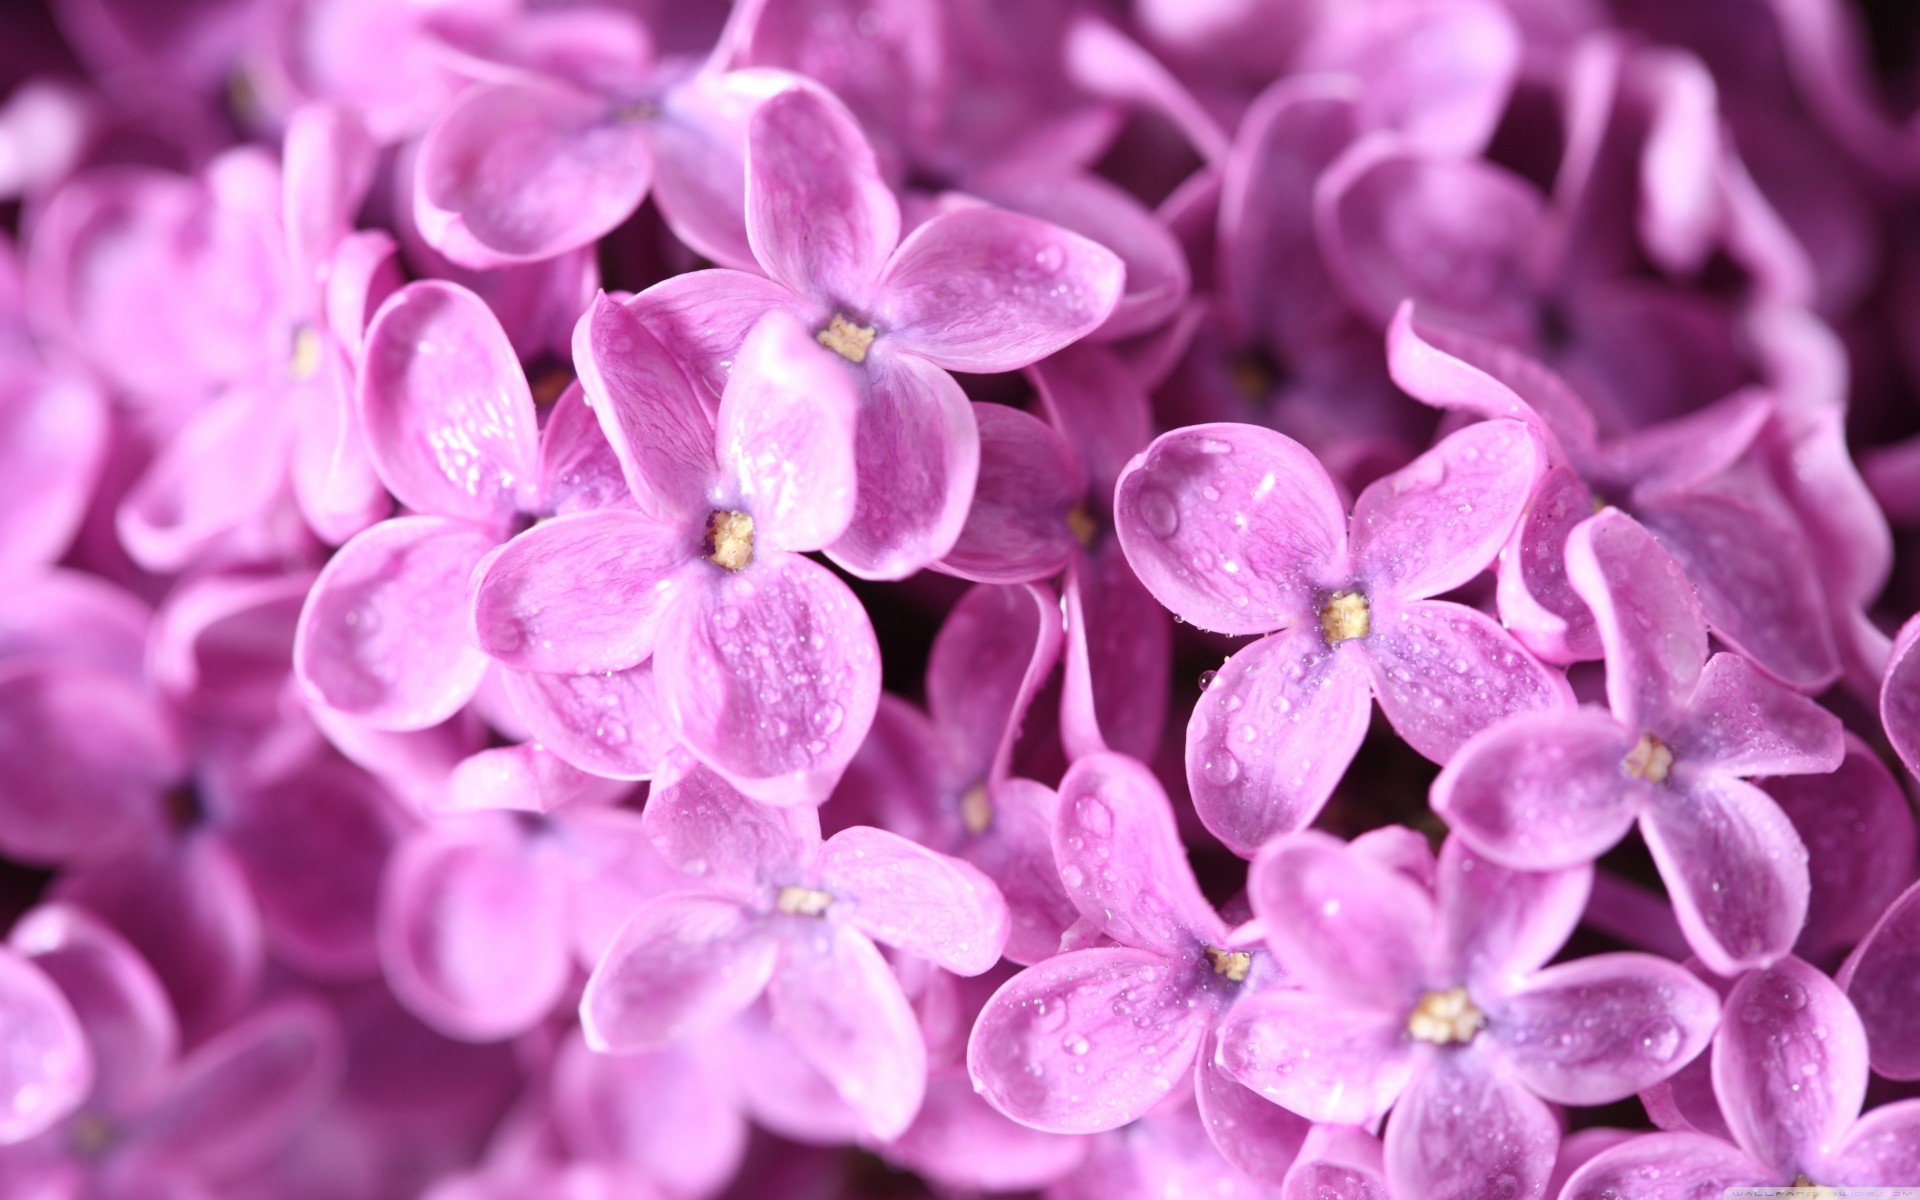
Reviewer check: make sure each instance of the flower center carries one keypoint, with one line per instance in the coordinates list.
(802, 902)
(976, 810)
(303, 356)
(1233, 964)
(1345, 617)
(1081, 525)
(1444, 1018)
(847, 338)
(93, 1135)
(1820, 1190)
(1649, 760)
(729, 539)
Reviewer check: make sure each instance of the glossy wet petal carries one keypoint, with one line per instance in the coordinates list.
(908, 897)
(1119, 658)
(48, 1070)
(605, 722)
(1743, 723)
(1790, 1065)
(1332, 1063)
(1017, 530)
(1342, 924)
(1882, 979)
(1882, 1149)
(1648, 616)
(1860, 837)
(992, 654)
(130, 1031)
(1505, 1137)
(1665, 1166)
(1500, 924)
(683, 965)
(705, 828)
(819, 217)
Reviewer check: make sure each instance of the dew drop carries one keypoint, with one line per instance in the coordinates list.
(1158, 511)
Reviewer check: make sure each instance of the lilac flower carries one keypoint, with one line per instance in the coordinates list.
(49, 1065)
(1881, 981)
(945, 780)
(764, 662)
(669, 1116)
(973, 289)
(1438, 1005)
(780, 912)
(1790, 1074)
(1093, 1038)
(1238, 530)
(1683, 733)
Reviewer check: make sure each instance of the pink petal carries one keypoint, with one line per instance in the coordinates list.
(583, 593)
(1237, 529)
(683, 965)
(1016, 531)
(705, 828)
(240, 1098)
(1742, 723)
(1485, 377)
(49, 1066)
(1443, 672)
(1086, 1041)
(908, 897)
(53, 442)
(1883, 1148)
(472, 929)
(962, 1142)
(728, 658)
(178, 507)
(1439, 521)
(1789, 1065)
(700, 139)
(329, 161)
(524, 777)
(1860, 837)
(702, 318)
(1500, 924)
(1665, 1166)
(1648, 617)
(648, 408)
(1900, 696)
(331, 470)
(1734, 868)
(1122, 860)
(524, 171)
(668, 1113)
(374, 641)
(1455, 236)
(1254, 1134)
(1099, 404)
(1599, 1029)
(786, 433)
(1325, 1061)
(1119, 658)
(1338, 1163)
(981, 289)
(836, 999)
(1537, 602)
(579, 471)
(448, 416)
(1676, 456)
(992, 654)
(819, 217)
(905, 519)
(1341, 924)
(607, 723)
(1017, 854)
(1882, 979)
(1543, 791)
(1463, 1123)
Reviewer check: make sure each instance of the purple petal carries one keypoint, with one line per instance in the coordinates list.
(1542, 791)
(53, 442)
(1599, 1029)
(448, 416)
(1742, 723)
(1257, 1136)
(1443, 672)
(981, 289)
(819, 217)
(702, 318)
(178, 507)
(959, 1140)
(1882, 979)
(992, 654)
(1237, 529)
(1789, 1065)
(521, 172)
(700, 139)
(1273, 734)
(1119, 658)
(1537, 601)
(1860, 837)
(1494, 1132)
(1017, 855)
(1326, 1061)
(579, 470)
(1884, 1147)
(607, 723)
(1900, 696)
(648, 408)
(1341, 924)
(1501, 924)
(331, 470)
(704, 827)
(1487, 378)
(669, 1113)
(1100, 406)
(682, 966)
(836, 999)
(786, 432)
(913, 899)
(49, 1067)
(1455, 236)
(583, 593)
(1122, 861)
(329, 161)
(131, 1035)
(374, 641)
(1086, 1041)
(1439, 521)
(472, 930)
(1017, 530)
(1648, 617)
(906, 518)
(1665, 1166)
(1338, 1163)
(524, 777)
(728, 659)
(1743, 558)
(1734, 868)
(1676, 456)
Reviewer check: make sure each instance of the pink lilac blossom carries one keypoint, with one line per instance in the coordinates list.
(603, 600)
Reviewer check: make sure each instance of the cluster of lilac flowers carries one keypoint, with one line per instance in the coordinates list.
(601, 599)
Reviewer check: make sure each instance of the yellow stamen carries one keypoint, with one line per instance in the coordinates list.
(1233, 964)
(1444, 1018)
(846, 338)
(976, 810)
(1345, 617)
(730, 539)
(93, 1135)
(1081, 525)
(802, 902)
(1649, 760)
(303, 361)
